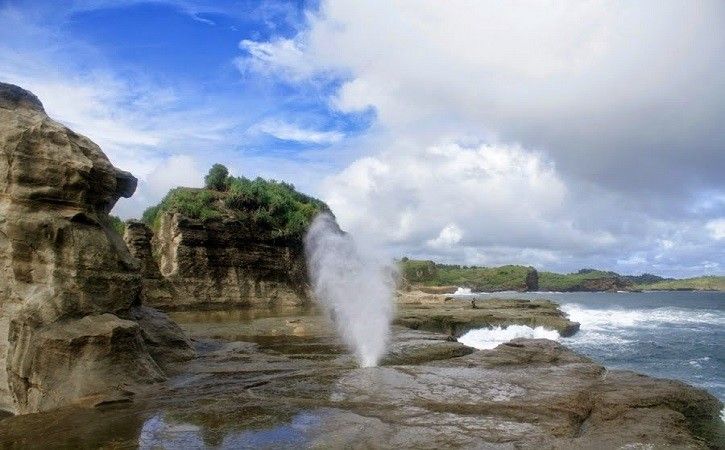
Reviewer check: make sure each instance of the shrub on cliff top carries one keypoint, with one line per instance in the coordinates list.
(270, 207)
(217, 178)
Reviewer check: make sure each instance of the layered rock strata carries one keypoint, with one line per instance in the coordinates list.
(215, 264)
(72, 327)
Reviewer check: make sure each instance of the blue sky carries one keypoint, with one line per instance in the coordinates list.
(561, 135)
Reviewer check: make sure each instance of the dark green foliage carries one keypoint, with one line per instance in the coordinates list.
(193, 203)
(217, 178)
(645, 278)
(270, 208)
(272, 205)
(117, 224)
(550, 281)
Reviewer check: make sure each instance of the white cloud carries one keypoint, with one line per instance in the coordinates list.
(717, 228)
(169, 173)
(447, 238)
(603, 97)
(488, 194)
(284, 57)
(291, 132)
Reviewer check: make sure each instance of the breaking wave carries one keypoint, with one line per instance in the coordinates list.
(488, 338)
(607, 319)
(463, 291)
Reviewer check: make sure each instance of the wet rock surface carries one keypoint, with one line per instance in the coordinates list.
(446, 314)
(68, 285)
(293, 385)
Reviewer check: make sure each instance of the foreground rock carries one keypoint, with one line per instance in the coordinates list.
(293, 386)
(70, 309)
(445, 314)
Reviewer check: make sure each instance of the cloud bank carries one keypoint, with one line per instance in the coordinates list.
(560, 134)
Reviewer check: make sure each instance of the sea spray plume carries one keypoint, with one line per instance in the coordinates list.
(354, 287)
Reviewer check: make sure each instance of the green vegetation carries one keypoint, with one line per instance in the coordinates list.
(267, 207)
(117, 224)
(583, 280)
(706, 283)
(504, 278)
(217, 178)
(491, 279)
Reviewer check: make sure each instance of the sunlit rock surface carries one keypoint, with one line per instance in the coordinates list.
(68, 285)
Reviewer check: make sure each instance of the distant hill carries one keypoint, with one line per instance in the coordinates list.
(428, 274)
(583, 280)
(482, 279)
(706, 283)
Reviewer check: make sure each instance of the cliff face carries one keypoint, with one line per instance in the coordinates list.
(212, 264)
(71, 322)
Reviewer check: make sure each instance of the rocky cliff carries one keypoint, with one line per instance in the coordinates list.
(72, 326)
(217, 263)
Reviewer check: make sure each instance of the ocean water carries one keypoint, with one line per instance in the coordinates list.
(678, 335)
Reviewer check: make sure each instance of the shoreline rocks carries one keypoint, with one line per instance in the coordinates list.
(443, 314)
(285, 382)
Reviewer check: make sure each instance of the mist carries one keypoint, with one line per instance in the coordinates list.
(355, 287)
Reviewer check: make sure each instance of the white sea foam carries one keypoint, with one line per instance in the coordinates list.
(697, 363)
(488, 338)
(463, 291)
(607, 319)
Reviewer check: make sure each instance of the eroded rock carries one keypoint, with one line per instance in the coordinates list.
(66, 277)
(216, 264)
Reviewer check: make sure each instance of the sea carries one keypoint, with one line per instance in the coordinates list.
(677, 335)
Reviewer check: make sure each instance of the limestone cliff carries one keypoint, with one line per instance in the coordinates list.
(218, 263)
(72, 327)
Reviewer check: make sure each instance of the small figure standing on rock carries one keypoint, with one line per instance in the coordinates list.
(473, 303)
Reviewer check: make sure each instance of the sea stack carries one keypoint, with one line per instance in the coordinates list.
(71, 319)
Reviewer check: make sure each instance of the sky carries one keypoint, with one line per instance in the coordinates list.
(560, 134)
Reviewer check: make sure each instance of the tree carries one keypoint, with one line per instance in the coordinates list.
(217, 178)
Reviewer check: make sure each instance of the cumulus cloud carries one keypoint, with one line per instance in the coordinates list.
(447, 238)
(616, 109)
(455, 197)
(717, 228)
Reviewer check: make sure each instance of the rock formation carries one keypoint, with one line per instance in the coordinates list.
(215, 264)
(72, 327)
(442, 314)
(292, 388)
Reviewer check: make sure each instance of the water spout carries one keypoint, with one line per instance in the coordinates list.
(354, 287)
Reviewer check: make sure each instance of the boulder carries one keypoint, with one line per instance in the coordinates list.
(66, 277)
